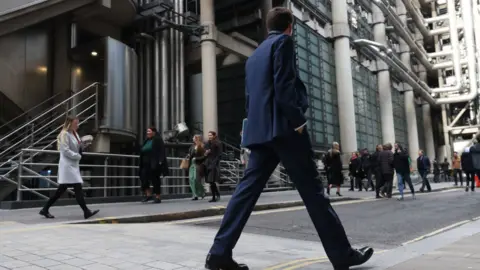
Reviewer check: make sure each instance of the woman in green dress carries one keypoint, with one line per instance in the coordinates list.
(196, 170)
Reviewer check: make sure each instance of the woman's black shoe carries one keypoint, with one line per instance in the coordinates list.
(46, 214)
(195, 199)
(338, 194)
(217, 263)
(146, 199)
(90, 214)
(157, 200)
(213, 200)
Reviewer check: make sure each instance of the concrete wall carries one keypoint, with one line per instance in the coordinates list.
(25, 66)
(7, 6)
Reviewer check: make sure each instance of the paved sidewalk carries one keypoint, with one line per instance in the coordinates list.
(460, 255)
(172, 209)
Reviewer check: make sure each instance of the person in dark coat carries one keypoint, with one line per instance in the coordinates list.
(368, 169)
(153, 164)
(436, 171)
(355, 163)
(214, 153)
(376, 168)
(385, 159)
(445, 170)
(467, 167)
(423, 167)
(333, 161)
(401, 163)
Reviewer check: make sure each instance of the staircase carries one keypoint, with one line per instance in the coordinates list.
(40, 133)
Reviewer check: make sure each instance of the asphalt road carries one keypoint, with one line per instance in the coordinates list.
(383, 224)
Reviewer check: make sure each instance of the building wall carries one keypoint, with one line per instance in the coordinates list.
(316, 66)
(400, 123)
(25, 65)
(367, 109)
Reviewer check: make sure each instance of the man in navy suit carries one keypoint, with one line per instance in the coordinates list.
(276, 103)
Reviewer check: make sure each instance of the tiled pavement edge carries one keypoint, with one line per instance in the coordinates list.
(172, 209)
(180, 247)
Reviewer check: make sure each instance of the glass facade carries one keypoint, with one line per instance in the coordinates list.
(400, 122)
(315, 61)
(367, 110)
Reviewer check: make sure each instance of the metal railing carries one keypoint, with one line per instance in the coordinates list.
(110, 175)
(40, 132)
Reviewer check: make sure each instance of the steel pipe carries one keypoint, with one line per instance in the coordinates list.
(454, 41)
(417, 17)
(181, 99)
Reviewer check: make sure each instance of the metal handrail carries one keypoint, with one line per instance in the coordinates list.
(33, 108)
(48, 111)
(52, 121)
(46, 125)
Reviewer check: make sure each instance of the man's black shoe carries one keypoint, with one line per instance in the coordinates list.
(358, 257)
(214, 262)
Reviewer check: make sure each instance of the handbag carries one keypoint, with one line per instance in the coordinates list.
(185, 164)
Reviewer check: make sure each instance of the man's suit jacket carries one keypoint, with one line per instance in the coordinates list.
(276, 97)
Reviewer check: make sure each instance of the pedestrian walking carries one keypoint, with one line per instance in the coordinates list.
(376, 169)
(385, 160)
(153, 164)
(457, 168)
(214, 150)
(333, 161)
(70, 147)
(401, 163)
(353, 170)
(467, 167)
(423, 167)
(196, 170)
(276, 104)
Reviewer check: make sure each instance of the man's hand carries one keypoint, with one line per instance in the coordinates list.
(300, 130)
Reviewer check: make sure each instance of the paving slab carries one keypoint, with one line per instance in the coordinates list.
(169, 209)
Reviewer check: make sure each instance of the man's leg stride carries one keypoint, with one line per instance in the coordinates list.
(262, 163)
(296, 155)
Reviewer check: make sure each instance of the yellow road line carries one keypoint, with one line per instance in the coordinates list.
(305, 264)
(437, 232)
(296, 264)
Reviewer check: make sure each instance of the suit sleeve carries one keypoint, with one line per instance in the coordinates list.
(65, 149)
(284, 76)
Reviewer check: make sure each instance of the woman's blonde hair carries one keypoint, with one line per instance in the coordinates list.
(199, 140)
(66, 127)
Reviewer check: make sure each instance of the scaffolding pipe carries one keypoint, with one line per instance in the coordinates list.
(177, 66)
(417, 18)
(148, 81)
(437, 19)
(402, 32)
(455, 43)
(420, 53)
(164, 107)
(172, 53)
(181, 99)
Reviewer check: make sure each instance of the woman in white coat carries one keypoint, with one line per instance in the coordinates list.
(70, 147)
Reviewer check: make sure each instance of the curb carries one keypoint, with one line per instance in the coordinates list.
(217, 211)
(214, 211)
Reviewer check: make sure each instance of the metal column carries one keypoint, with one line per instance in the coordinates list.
(343, 70)
(148, 83)
(265, 8)
(426, 114)
(445, 120)
(209, 67)
(164, 109)
(181, 99)
(410, 113)
(383, 79)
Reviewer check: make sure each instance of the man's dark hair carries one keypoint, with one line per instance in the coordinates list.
(279, 18)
